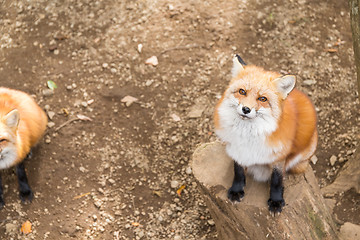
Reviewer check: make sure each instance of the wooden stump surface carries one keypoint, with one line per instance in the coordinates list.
(305, 215)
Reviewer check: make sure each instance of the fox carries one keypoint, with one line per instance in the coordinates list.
(22, 124)
(269, 129)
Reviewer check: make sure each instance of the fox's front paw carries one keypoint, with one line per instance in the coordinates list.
(235, 195)
(275, 207)
(26, 196)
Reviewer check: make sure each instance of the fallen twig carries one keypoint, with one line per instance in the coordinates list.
(78, 117)
(82, 195)
(66, 123)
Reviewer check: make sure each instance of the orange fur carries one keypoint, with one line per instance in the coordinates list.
(31, 126)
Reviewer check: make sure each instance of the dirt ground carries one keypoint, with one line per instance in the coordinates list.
(116, 177)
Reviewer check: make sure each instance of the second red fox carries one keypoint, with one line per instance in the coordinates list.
(22, 124)
(269, 128)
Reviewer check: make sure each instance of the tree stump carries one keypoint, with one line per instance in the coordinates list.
(305, 215)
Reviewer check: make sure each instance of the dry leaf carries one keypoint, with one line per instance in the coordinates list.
(128, 100)
(65, 111)
(180, 190)
(152, 61)
(135, 224)
(26, 227)
(331, 50)
(157, 193)
(82, 195)
(83, 117)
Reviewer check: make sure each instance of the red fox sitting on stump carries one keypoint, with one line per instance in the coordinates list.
(22, 124)
(269, 128)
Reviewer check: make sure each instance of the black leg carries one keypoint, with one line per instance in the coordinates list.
(2, 203)
(25, 193)
(276, 200)
(236, 192)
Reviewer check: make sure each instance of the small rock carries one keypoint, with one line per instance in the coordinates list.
(188, 170)
(349, 152)
(175, 117)
(211, 222)
(141, 234)
(47, 92)
(10, 228)
(149, 82)
(128, 100)
(105, 65)
(113, 70)
(139, 48)
(48, 140)
(349, 231)
(152, 61)
(196, 111)
(314, 159)
(333, 160)
(309, 82)
(51, 114)
(56, 51)
(177, 237)
(174, 184)
(50, 124)
(84, 104)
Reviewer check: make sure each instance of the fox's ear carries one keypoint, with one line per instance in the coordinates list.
(285, 84)
(238, 65)
(12, 119)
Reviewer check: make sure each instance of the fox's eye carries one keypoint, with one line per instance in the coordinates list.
(262, 99)
(242, 91)
(2, 140)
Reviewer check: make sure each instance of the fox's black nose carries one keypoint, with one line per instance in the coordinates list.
(246, 110)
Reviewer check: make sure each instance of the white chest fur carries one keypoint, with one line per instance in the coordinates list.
(250, 150)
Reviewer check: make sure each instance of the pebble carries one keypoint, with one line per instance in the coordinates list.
(188, 170)
(314, 159)
(139, 48)
(47, 92)
(10, 228)
(211, 222)
(309, 82)
(149, 82)
(48, 140)
(177, 237)
(152, 61)
(51, 114)
(84, 104)
(333, 160)
(51, 124)
(174, 184)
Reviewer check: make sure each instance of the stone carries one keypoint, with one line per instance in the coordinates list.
(349, 231)
(174, 184)
(333, 160)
